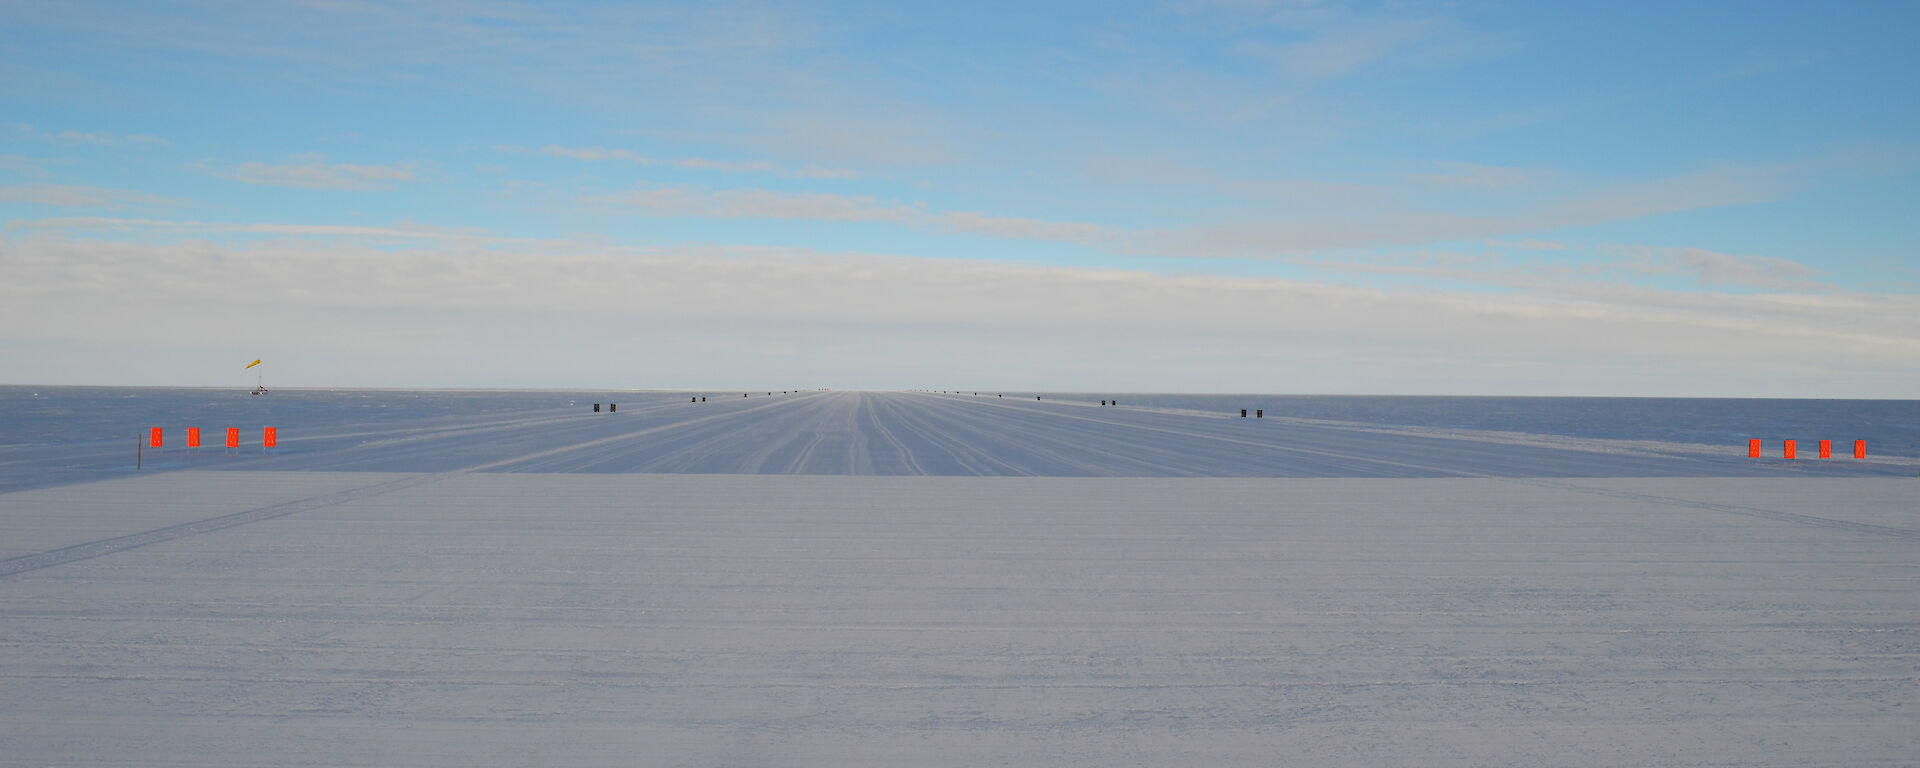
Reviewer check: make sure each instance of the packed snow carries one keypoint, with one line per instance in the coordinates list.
(832, 579)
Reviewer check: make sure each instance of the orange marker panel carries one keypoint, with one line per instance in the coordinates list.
(1753, 449)
(233, 437)
(193, 437)
(1859, 449)
(269, 438)
(1788, 451)
(155, 439)
(1826, 449)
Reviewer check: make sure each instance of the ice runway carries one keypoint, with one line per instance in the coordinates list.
(544, 590)
(895, 433)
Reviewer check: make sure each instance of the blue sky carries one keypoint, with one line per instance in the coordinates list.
(1462, 197)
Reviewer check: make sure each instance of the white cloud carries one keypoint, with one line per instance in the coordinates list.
(672, 200)
(666, 200)
(768, 204)
(1313, 41)
(1444, 265)
(80, 196)
(595, 153)
(899, 138)
(1341, 52)
(1307, 225)
(623, 54)
(1713, 188)
(1611, 273)
(1713, 269)
(1528, 244)
(28, 166)
(598, 154)
(100, 138)
(1161, 175)
(455, 309)
(727, 166)
(161, 227)
(1405, 225)
(1474, 176)
(822, 172)
(1023, 229)
(314, 172)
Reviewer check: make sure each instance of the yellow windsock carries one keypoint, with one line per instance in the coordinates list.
(252, 364)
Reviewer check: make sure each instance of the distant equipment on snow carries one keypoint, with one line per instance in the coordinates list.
(259, 385)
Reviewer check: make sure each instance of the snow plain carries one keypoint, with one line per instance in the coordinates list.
(762, 584)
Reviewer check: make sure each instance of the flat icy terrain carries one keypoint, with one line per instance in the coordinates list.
(892, 433)
(1170, 589)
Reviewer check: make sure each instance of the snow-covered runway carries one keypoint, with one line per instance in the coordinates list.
(498, 613)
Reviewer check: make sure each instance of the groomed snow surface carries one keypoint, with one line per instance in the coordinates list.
(561, 589)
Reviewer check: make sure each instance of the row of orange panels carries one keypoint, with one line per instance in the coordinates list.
(269, 437)
(1788, 449)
